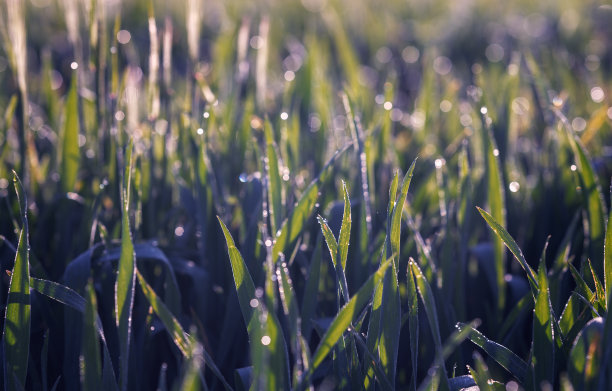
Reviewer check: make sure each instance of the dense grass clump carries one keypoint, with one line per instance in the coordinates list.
(305, 195)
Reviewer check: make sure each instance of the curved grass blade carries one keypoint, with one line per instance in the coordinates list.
(91, 368)
(16, 332)
(343, 319)
(543, 354)
(481, 373)
(608, 260)
(245, 288)
(429, 304)
(126, 276)
(70, 154)
(514, 248)
(501, 354)
(180, 338)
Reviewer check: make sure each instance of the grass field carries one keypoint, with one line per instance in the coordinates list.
(314, 194)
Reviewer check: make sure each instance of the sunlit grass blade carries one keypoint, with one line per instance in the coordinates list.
(413, 322)
(275, 201)
(16, 332)
(343, 319)
(292, 226)
(345, 229)
(70, 155)
(608, 259)
(514, 248)
(481, 373)
(180, 338)
(91, 368)
(586, 355)
(126, 276)
(332, 245)
(245, 288)
(266, 338)
(543, 355)
(396, 217)
(429, 305)
(501, 354)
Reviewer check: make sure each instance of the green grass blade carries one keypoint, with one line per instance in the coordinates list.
(293, 225)
(345, 229)
(481, 373)
(70, 155)
(543, 356)
(16, 332)
(396, 216)
(429, 305)
(514, 248)
(501, 354)
(275, 201)
(126, 277)
(332, 245)
(344, 318)
(495, 192)
(91, 368)
(413, 322)
(608, 259)
(245, 288)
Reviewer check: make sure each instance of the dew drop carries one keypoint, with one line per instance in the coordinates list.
(200, 131)
(496, 152)
(514, 186)
(265, 340)
(268, 243)
(206, 114)
(439, 163)
(74, 65)
(284, 116)
(254, 303)
(573, 167)
(179, 231)
(483, 110)
(243, 177)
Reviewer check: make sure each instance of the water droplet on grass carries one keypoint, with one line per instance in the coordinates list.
(243, 177)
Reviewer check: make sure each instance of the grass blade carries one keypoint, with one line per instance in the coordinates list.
(429, 304)
(91, 368)
(16, 333)
(543, 356)
(345, 229)
(292, 226)
(332, 245)
(501, 354)
(70, 155)
(275, 201)
(514, 248)
(344, 318)
(126, 277)
(413, 322)
(608, 259)
(396, 217)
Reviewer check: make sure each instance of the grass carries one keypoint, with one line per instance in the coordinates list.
(305, 195)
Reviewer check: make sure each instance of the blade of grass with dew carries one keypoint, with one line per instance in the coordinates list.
(332, 245)
(345, 229)
(413, 321)
(180, 338)
(275, 201)
(70, 155)
(91, 368)
(501, 354)
(275, 350)
(126, 276)
(17, 322)
(429, 305)
(291, 310)
(374, 327)
(343, 319)
(607, 334)
(593, 199)
(600, 295)
(293, 225)
(543, 353)
(245, 288)
(495, 192)
(514, 248)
